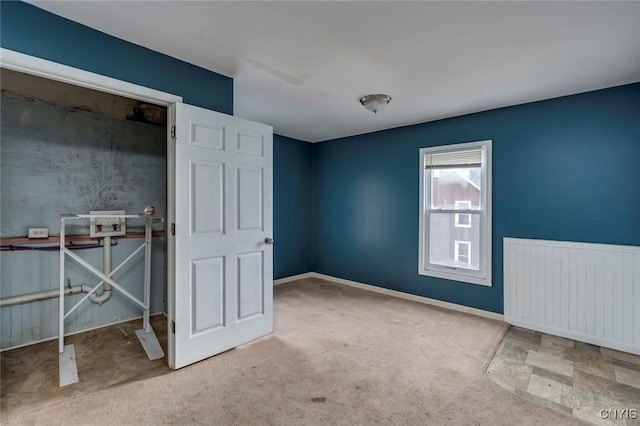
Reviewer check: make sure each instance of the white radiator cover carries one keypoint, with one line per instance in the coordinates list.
(582, 291)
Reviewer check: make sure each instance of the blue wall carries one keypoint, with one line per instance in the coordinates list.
(292, 182)
(27, 29)
(33, 31)
(563, 169)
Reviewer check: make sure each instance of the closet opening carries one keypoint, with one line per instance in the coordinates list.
(68, 149)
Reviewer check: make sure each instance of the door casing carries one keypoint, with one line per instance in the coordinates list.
(39, 67)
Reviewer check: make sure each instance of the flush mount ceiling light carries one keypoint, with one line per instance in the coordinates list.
(375, 103)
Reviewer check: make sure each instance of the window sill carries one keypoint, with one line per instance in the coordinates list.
(457, 277)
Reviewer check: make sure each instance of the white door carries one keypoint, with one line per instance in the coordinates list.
(222, 295)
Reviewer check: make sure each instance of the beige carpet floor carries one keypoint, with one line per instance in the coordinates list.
(338, 355)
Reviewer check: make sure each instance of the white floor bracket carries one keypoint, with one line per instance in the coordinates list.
(150, 343)
(68, 367)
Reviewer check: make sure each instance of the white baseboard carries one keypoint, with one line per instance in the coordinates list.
(395, 293)
(293, 278)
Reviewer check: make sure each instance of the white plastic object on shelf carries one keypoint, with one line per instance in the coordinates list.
(107, 223)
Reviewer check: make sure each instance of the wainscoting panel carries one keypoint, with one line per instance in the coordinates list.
(583, 291)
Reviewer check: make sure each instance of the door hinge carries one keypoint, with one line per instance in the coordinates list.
(173, 327)
(173, 132)
(173, 229)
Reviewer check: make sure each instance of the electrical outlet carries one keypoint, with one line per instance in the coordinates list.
(38, 232)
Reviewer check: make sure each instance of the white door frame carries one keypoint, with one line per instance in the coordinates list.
(20, 62)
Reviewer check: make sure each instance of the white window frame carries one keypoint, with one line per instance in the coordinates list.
(456, 254)
(483, 275)
(458, 224)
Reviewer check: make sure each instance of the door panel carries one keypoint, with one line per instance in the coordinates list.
(222, 291)
(250, 144)
(207, 197)
(250, 288)
(249, 198)
(207, 135)
(207, 294)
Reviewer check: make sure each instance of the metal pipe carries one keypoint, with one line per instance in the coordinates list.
(94, 289)
(106, 260)
(106, 295)
(43, 295)
(106, 268)
(61, 293)
(147, 275)
(89, 267)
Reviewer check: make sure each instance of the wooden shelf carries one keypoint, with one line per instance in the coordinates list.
(56, 239)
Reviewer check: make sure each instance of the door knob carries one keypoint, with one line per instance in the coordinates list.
(268, 240)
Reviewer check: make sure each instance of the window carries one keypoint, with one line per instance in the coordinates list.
(463, 220)
(463, 252)
(455, 213)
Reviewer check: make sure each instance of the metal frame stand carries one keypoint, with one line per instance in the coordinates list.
(148, 339)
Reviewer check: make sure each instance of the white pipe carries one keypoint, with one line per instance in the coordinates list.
(61, 290)
(147, 275)
(89, 267)
(92, 292)
(43, 295)
(106, 295)
(106, 268)
(106, 260)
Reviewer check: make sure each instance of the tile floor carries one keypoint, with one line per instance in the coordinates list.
(593, 383)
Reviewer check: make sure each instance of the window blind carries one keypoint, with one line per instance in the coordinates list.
(456, 159)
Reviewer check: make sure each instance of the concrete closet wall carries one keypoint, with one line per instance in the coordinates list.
(67, 149)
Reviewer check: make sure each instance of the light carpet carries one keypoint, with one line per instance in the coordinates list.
(339, 355)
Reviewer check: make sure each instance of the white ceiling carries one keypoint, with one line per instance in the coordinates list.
(302, 66)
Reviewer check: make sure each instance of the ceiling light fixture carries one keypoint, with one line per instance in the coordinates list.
(375, 103)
